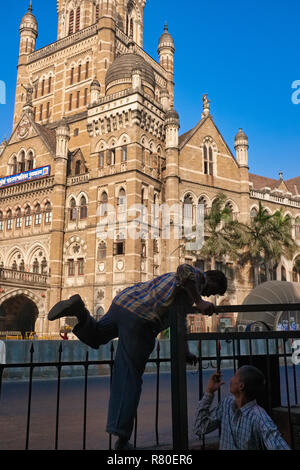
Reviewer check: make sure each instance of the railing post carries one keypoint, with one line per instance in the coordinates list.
(178, 375)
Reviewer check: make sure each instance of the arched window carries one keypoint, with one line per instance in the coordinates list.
(38, 215)
(44, 265)
(71, 22)
(14, 266)
(102, 250)
(27, 216)
(101, 159)
(73, 210)
(124, 153)
(48, 213)
(122, 197)
(131, 28)
(18, 218)
(188, 210)
(103, 204)
(22, 266)
(208, 160)
(78, 167)
(77, 25)
(83, 208)
(262, 276)
(253, 213)
(14, 166)
(9, 219)
(202, 201)
(35, 266)
(283, 273)
(1, 221)
(22, 162)
(49, 84)
(30, 161)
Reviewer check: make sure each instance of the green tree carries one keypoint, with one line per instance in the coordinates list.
(222, 235)
(265, 240)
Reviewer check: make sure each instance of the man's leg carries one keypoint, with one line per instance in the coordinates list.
(136, 342)
(88, 330)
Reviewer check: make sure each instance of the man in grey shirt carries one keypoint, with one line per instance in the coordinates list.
(244, 424)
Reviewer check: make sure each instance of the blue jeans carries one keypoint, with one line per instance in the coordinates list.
(136, 342)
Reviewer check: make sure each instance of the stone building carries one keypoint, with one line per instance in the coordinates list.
(94, 133)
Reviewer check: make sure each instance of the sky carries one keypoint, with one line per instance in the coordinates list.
(243, 54)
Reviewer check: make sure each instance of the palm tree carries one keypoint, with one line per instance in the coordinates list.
(266, 240)
(222, 233)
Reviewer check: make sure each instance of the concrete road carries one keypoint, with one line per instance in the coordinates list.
(14, 403)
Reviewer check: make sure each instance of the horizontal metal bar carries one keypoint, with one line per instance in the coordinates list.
(253, 308)
(257, 308)
(244, 335)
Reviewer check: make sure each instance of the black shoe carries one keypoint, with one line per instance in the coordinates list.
(123, 444)
(73, 307)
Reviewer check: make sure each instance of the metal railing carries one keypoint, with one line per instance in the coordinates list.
(215, 350)
(178, 366)
(87, 364)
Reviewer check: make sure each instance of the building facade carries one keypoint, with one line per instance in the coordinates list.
(96, 142)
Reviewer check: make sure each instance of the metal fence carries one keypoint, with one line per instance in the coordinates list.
(32, 365)
(215, 350)
(243, 351)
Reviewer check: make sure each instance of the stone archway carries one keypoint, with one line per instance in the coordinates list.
(18, 313)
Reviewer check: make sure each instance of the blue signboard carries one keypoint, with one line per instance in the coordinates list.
(25, 176)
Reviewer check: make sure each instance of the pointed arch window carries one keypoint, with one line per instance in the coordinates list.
(36, 266)
(44, 265)
(188, 209)
(262, 274)
(122, 197)
(22, 266)
(38, 215)
(48, 213)
(202, 202)
(73, 210)
(100, 313)
(283, 273)
(101, 159)
(30, 161)
(102, 251)
(78, 167)
(9, 220)
(14, 266)
(208, 160)
(18, 218)
(131, 29)
(71, 22)
(77, 25)
(27, 216)
(103, 204)
(83, 208)
(14, 166)
(22, 162)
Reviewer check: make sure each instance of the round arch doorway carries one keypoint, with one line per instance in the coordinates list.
(18, 313)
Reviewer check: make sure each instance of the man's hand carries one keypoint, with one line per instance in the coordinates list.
(191, 359)
(214, 382)
(206, 308)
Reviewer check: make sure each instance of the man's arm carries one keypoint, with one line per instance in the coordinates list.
(269, 434)
(208, 419)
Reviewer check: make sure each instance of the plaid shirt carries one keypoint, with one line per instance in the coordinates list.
(150, 299)
(247, 428)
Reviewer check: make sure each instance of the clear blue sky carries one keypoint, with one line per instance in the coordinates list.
(244, 54)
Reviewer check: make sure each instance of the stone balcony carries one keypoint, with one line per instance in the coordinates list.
(22, 278)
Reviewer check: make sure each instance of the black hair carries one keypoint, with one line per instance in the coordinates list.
(254, 381)
(219, 279)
